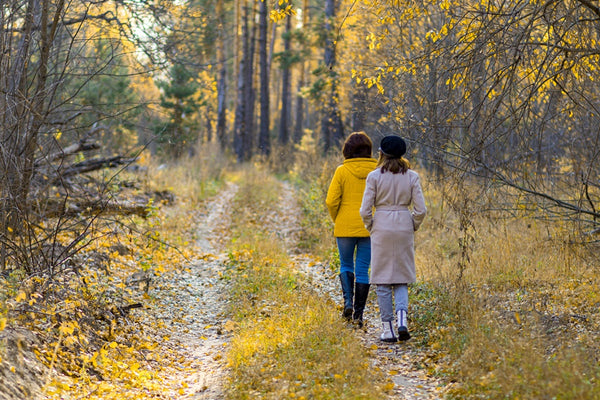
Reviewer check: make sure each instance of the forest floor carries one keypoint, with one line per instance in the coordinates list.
(195, 307)
(189, 313)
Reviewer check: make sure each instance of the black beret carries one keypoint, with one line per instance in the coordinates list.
(393, 146)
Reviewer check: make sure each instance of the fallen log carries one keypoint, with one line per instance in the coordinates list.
(53, 208)
(94, 165)
(86, 144)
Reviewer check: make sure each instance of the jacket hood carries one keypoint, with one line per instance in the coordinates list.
(360, 167)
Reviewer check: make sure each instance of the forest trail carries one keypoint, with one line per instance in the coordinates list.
(194, 305)
(196, 325)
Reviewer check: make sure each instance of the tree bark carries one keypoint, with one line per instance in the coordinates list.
(222, 82)
(332, 130)
(284, 131)
(264, 142)
(299, 120)
(240, 128)
(250, 90)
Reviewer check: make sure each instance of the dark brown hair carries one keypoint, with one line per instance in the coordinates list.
(358, 144)
(392, 164)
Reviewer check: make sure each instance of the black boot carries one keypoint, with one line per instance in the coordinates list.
(347, 280)
(361, 292)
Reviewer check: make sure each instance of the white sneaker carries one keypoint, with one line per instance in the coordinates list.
(388, 332)
(403, 333)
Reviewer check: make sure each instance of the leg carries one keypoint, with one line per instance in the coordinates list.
(386, 310)
(361, 289)
(363, 259)
(401, 296)
(346, 250)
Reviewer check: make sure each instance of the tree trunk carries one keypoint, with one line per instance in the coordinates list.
(240, 129)
(284, 132)
(264, 143)
(222, 83)
(299, 120)
(332, 130)
(359, 114)
(250, 96)
(24, 105)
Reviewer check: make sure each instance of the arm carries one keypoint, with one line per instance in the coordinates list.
(334, 195)
(419, 209)
(368, 201)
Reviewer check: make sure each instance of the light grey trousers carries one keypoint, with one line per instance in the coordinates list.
(386, 301)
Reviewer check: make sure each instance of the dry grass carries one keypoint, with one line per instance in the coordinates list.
(518, 302)
(508, 305)
(191, 181)
(289, 342)
(193, 178)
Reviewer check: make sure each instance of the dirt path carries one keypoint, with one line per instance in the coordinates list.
(193, 312)
(196, 324)
(398, 361)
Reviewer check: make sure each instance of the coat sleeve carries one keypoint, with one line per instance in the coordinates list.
(334, 195)
(368, 201)
(419, 209)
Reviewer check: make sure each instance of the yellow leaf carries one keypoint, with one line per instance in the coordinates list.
(21, 296)
(113, 345)
(229, 325)
(66, 328)
(2, 324)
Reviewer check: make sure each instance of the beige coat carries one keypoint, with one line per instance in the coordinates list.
(399, 211)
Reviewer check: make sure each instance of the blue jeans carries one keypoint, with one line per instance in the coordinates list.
(348, 247)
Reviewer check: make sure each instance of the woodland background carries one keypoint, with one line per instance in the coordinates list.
(498, 101)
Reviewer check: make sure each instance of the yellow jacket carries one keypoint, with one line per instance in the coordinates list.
(345, 196)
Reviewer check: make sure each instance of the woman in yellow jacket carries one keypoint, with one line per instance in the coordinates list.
(343, 201)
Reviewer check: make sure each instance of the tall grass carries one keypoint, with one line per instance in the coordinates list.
(507, 304)
(521, 316)
(192, 179)
(289, 342)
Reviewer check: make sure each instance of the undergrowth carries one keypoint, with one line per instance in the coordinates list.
(88, 340)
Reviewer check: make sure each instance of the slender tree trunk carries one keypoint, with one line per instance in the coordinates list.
(240, 129)
(299, 120)
(332, 130)
(284, 131)
(359, 114)
(250, 90)
(222, 83)
(24, 106)
(264, 143)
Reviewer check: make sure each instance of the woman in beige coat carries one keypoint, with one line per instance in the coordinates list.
(394, 191)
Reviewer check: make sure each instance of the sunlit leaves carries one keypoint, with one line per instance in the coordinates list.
(285, 8)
